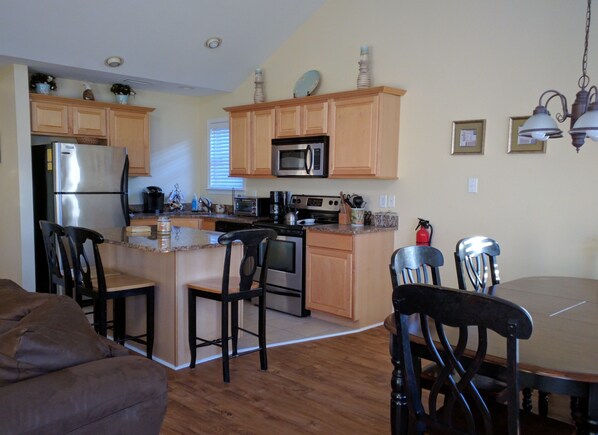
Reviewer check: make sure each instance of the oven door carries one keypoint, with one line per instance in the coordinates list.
(285, 267)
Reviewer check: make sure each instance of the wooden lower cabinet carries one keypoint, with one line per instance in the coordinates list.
(196, 223)
(347, 275)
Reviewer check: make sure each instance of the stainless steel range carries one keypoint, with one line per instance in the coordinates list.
(286, 274)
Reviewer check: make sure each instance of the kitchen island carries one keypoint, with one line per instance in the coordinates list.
(171, 261)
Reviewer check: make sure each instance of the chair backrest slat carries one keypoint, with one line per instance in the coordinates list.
(448, 320)
(59, 268)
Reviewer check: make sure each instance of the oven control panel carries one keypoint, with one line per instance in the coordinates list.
(316, 202)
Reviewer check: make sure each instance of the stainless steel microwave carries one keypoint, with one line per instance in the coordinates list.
(300, 157)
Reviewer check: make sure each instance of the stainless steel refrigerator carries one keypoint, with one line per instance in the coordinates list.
(79, 185)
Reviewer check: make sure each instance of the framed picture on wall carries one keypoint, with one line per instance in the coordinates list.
(468, 137)
(518, 144)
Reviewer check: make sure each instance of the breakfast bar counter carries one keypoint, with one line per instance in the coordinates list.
(171, 261)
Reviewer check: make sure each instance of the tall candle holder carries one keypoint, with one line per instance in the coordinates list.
(258, 95)
(363, 79)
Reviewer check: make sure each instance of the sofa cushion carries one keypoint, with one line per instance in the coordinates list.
(54, 335)
(16, 302)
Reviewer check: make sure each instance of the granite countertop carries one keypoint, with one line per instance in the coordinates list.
(180, 239)
(196, 215)
(349, 229)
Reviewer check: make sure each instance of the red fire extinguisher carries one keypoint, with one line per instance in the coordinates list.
(423, 236)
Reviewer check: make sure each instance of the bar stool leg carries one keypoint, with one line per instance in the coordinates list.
(234, 324)
(224, 341)
(192, 327)
(149, 301)
(120, 320)
(262, 332)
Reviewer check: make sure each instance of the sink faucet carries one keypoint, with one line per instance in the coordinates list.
(205, 202)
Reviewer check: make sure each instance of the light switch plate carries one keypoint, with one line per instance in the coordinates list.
(382, 202)
(391, 201)
(472, 185)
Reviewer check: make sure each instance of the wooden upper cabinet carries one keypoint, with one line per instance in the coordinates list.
(302, 120)
(364, 136)
(117, 125)
(90, 121)
(49, 118)
(363, 126)
(130, 130)
(251, 134)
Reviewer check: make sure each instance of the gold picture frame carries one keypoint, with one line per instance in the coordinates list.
(518, 144)
(468, 137)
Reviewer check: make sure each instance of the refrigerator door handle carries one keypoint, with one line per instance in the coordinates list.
(124, 181)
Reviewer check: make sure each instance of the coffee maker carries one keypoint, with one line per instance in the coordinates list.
(278, 204)
(153, 199)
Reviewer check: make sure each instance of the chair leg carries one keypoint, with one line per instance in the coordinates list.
(543, 398)
(262, 333)
(234, 324)
(149, 301)
(120, 320)
(100, 318)
(224, 335)
(192, 327)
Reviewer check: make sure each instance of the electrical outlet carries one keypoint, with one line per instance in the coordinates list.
(391, 201)
(382, 202)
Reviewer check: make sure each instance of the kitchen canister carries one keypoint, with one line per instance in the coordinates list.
(163, 225)
(357, 217)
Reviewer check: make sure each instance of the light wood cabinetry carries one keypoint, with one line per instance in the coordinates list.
(363, 126)
(364, 136)
(251, 133)
(302, 120)
(208, 224)
(61, 119)
(113, 124)
(130, 130)
(347, 275)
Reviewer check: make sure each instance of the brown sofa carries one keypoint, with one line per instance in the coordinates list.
(57, 376)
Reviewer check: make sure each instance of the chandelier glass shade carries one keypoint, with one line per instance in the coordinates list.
(583, 114)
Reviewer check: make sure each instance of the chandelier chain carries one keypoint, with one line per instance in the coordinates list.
(584, 80)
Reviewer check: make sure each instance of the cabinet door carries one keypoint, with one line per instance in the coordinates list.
(186, 222)
(49, 118)
(208, 224)
(330, 281)
(288, 121)
(88, 121)
(262, 126)
(354, 136)
(315, 119)
(130, 130)
(239, 142)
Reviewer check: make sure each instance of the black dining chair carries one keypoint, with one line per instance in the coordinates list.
(416, 264)
(476, 261)
(59, 269)
(92, 282)
(229, 290)
(452, 329)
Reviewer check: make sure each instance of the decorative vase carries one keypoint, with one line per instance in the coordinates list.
(258, 96)
(42, 88)
(122, 99)
(363, 79)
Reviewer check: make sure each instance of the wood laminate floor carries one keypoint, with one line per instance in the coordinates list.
(329, 386)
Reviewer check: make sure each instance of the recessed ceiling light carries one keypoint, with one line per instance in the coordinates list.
(114, 61)
(213, 42)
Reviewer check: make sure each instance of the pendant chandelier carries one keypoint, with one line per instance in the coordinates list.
(584, 111)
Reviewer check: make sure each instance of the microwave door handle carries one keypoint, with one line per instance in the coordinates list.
(309, 159)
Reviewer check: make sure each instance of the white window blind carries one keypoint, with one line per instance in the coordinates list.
(219, 149)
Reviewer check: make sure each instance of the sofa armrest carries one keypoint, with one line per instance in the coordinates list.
(127, 393)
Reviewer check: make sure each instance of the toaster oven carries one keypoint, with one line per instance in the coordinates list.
(251, 206)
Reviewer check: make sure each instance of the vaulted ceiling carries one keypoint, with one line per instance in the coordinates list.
(161, 42)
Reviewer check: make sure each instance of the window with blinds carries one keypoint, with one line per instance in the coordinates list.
(219, 157)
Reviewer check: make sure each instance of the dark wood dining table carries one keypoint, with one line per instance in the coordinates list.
(562, 354)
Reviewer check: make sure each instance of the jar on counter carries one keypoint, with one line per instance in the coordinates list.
(163, 225)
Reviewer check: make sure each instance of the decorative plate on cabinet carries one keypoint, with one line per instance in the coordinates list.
(306, 84)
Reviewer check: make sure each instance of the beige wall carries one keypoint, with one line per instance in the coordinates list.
(460, 60)
(16, 215)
